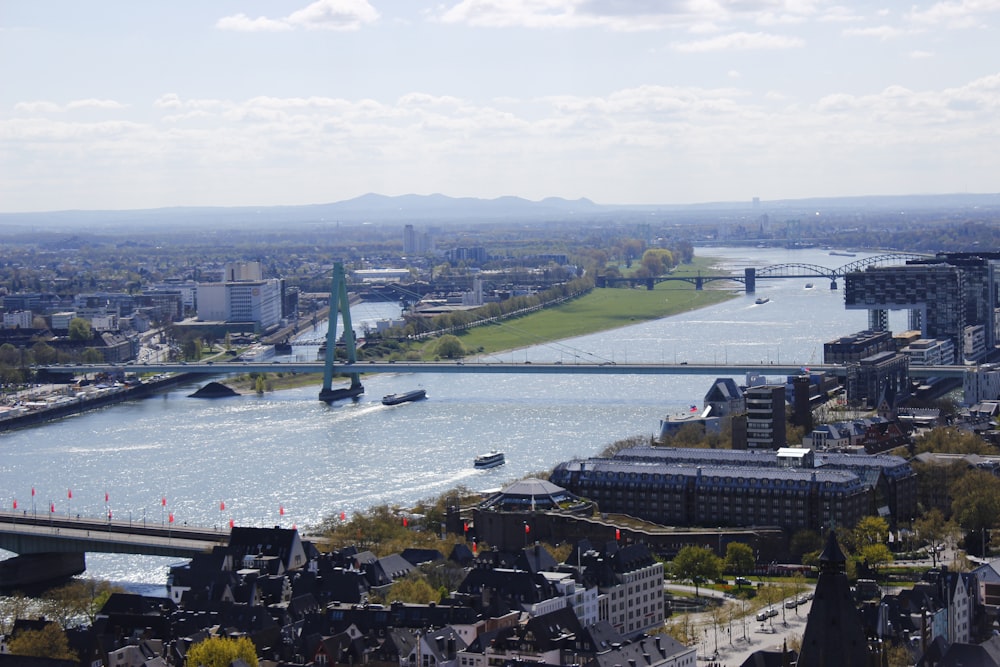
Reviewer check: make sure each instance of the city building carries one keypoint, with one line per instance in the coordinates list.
(724, 487)
(981, 383)
(944, 295)
(416, 243)
(254, 301)
(382, 275)
(762, 426)
(882, 378)
(930, 352)
(857, 346)
(18, 319)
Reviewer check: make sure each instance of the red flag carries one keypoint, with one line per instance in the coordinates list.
(163, 501)
(406, 522)
(473, 547)
(527, 529)
(69, 493)
(618, 534)
(32, 492)
(465, 526)
(105, 496)
(281, 510)
(222, 505)
(171, 519)
(52, 507)
(230, 523)
(15, 503)
(343, 516)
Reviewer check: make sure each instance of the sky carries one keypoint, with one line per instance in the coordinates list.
(121, 104)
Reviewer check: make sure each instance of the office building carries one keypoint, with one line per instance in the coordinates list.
(255, 301)
(881, 379)
(944, 295)
(792, 488)
(762, 426)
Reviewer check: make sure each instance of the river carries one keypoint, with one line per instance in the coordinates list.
(285, 458)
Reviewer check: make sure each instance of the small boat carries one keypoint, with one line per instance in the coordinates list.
(491, 460)
(396, 399)
(761, 299)
(809, 285)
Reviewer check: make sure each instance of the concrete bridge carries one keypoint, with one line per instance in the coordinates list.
(570, 367)
(51, 547)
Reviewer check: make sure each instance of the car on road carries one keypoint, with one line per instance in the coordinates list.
(791, 603)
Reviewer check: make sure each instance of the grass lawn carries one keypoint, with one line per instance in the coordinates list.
(600, 310)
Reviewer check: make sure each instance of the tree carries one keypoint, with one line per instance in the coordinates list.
(79, 599)
(221, 651)
(870, 530)
(92, 356)
(931, 529)
(79, 329)
(413, 588)
(739, 558)
(449, 347)
(44, 353)
(696, 564)
(49, 642)
(13, 607)
(976, 503)
(876, 555)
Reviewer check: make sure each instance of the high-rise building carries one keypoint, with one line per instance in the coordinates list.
(764, 424)
(944, 295)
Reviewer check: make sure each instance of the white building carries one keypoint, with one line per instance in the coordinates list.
(930, 352)
(381, 275)
(981, 383)
(582, 600)
(973, 343)
(19, 319)
(60, 321)
(257, 301)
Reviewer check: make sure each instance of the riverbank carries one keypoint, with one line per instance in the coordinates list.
(601, 309)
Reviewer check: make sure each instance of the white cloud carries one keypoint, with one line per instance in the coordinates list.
(626, 15)
(882, 32)
(95, 104)
(74, 105)
(37, 107)
(741, 41)
(320, 15)
(955, 15)
(919, 55)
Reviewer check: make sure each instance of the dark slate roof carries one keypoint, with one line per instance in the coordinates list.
(395, 566)
(420, 556)
(834, 633)
(723, 389)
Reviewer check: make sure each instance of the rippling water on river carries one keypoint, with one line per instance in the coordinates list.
(287, 450)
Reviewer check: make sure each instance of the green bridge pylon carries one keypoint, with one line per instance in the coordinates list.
(339, 306)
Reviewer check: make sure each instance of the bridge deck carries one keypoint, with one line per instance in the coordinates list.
(26, 533)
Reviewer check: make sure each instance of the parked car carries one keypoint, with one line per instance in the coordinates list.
(791, 603)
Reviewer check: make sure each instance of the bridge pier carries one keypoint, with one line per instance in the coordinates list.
(339, 305)
(32, 569)
(698, 283)
(833, 284)
(750, 278)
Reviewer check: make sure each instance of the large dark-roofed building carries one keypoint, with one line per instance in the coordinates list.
(711, 487)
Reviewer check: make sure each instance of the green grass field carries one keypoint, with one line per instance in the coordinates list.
(600, 310)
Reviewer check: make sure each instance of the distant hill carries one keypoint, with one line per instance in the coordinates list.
(441, 209)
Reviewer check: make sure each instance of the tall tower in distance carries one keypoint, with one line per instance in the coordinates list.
(409, 240)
